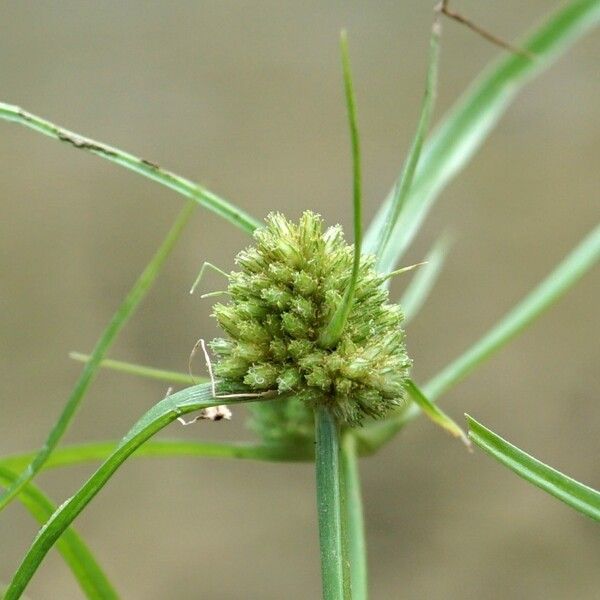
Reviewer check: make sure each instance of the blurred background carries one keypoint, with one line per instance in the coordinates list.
(246, 97)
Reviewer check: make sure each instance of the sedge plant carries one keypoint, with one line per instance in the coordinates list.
(312, 341)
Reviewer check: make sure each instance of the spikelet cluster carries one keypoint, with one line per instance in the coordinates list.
(285, 292)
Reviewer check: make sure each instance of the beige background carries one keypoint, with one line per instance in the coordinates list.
(246, 98)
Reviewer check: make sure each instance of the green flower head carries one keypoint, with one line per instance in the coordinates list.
(285, 293)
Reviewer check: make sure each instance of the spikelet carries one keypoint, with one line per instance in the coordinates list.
(286, 290)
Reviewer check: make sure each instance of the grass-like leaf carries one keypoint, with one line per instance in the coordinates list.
(124, 312)
(159, 416)
(143, 167)
(332, 332)
(404, 184)
(99, 451)
(92, 580)
(561, 280)
(420, 286)
(571, 492)
(467, 125)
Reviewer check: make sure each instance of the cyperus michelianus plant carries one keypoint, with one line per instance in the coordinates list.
(293, 350)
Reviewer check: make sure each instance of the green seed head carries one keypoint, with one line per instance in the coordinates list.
(286, 291)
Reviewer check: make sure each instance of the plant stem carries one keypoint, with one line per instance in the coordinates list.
(330, 500)
(357, 551)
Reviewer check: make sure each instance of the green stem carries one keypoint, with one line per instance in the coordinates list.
(142, 370)
(357, 551)
(148, 169)
(330, 498)
(99, 451)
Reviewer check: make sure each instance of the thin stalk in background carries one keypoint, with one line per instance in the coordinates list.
(331, 514)
(142, 370)
(417, 291)
(124, 312)
(551, 289)
(470, 121)
(143, 167)
(78, 454)
(357, 550)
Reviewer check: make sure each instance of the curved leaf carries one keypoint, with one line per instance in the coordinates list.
(73, 549)
(159, 416)
(141, 166)
(577, 495)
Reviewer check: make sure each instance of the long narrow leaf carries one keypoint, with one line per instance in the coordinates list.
(403, 186)
(124, 312)
(143, 167)
(99, 451)
(332, 332)
(571, 492)
(468, 124)
(551, 289)
(73, 549)
(159, 416)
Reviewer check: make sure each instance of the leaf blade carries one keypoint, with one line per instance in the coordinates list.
(473, 117)
(568, 272)
(88, 573)
(552, 288)
(142, 370)
(573, 493)
(181, 185)
(159, 416)
(333, 330)
(121, 316)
